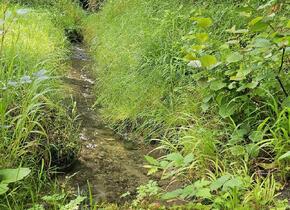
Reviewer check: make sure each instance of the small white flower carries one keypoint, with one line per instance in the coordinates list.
(12, 83)
(25, 79)
(41, 74)
(195, 64)
(22, 11)
(8, 14)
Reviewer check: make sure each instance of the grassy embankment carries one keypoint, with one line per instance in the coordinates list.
(206, 80)
(36, 130)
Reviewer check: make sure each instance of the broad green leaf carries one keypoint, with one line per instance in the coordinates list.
(262, 43)
(202, 37)
(284, 156)
(256, 136)
(237, 150)
(171, 195)
(217, 85)
(188, 159)
(208, 61)
(152, 170)
(252, 150)
(245, 14)
(268, 166)
(227, 110)
(219, 182)
(233, 30)
(232, 183)
(288, 24)
(201, 184)
(151, 160)
(189, 57)
(164, 164)
(234, 57)
(197, 48)
(241, 73)
(205, 107)
(175, 157)
(232, 85)
(238, 136)
(252, 85)
(255, 21)
(203, 193)
(258, 27)
(257, 24)
(188, 192)
(3, 188)
(237, 77)
(73, 204)
(13, 175)
(203, 22)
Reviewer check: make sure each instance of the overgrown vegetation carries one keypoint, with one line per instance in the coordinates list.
(206, 82)
(209, 81)
(33, 49)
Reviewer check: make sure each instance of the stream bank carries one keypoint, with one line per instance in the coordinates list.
(104, 165)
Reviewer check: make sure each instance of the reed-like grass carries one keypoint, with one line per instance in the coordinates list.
(34, 120)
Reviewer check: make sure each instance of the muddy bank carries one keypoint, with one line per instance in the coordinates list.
(104, 162)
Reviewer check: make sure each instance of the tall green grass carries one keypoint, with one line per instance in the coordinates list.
(143, 82)
(35, 127)
(145, 86)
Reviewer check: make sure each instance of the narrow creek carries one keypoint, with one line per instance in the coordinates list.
(103, 162)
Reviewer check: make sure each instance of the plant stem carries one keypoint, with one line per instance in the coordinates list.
(280, 69)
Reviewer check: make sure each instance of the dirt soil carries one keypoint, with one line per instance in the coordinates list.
(110, 169)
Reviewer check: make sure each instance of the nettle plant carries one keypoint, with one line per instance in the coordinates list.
(246, 73)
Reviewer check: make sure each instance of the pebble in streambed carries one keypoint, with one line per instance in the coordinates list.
(104, 162)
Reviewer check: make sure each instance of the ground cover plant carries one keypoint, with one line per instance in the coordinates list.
(208, 81)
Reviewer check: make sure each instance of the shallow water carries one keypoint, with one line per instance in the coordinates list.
(103, 162)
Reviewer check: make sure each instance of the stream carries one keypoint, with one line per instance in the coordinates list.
(104, 166)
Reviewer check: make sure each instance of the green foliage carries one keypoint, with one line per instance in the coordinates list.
(142, 56)
(209, 82)
(56, 201)
(247, 71)
(145, 192)
(8, 176)
(32, 129)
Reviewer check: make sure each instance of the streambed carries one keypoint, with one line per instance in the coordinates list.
(104, 164)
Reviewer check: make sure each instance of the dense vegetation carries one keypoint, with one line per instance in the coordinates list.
(33, 50)
(207, 83)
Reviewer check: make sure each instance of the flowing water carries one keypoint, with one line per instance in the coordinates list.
(103, 162)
